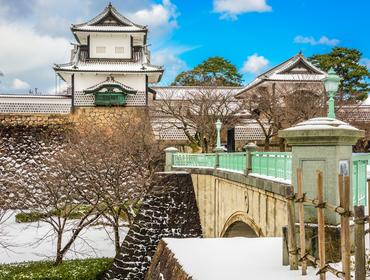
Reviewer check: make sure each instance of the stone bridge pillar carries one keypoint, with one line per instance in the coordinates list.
(323, 144)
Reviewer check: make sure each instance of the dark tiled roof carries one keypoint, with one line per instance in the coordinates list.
(121, 23)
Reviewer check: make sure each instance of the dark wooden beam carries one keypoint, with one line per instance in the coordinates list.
(88, 47)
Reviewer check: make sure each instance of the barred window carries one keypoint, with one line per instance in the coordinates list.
(100, 49)
(120, 50)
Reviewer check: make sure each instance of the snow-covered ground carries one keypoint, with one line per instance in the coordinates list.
(26, 245)
(235, 258)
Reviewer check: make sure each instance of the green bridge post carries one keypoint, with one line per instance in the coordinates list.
(169, 158)
(323, 144)
(249, 148)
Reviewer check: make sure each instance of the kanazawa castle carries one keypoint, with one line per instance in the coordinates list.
(110, 63)
(110, 66)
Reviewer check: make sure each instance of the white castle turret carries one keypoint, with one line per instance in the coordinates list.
(110, 64)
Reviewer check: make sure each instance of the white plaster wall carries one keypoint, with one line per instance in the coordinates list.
(35, 104)
(110, 42)
(22, 99)
(86, 80)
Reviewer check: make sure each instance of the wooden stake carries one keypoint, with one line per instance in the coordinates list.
(368, 205)
(344, 195)
(360, 272)
(321, 222)
(292, 241)
(329, 268)
(332, 207)
(302, 235)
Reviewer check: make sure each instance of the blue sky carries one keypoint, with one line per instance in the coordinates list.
(252, 34)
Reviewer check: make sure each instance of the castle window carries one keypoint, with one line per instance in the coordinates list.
(120, 50)
(100, 49)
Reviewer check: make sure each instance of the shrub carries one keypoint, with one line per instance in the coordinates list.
(29, 217)
(87, 269)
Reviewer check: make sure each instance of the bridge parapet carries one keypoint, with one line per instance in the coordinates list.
(267, 165)
(279, 188)
(274, 169)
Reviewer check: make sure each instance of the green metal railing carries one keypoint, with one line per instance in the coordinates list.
(359, 178)
(233, 161)
(272, 164)
(194, 160)
(277, 165)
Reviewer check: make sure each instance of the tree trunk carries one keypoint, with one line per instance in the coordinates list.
(117, 243)
(267, 144)
(75, 233)
(59, 257)
(282, 144)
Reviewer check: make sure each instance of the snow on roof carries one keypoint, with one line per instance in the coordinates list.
(180, 92)
(34, 96)
(109, 20)
(107, 28)
(296, 68)
(234, 258)
(321, 123)
(108, 66)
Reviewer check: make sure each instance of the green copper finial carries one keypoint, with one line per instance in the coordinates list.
(331, 83)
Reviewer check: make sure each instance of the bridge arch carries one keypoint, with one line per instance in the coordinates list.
(241, 224)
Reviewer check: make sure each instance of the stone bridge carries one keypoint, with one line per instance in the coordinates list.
(232, 204)
(242, 194)
(245, 193)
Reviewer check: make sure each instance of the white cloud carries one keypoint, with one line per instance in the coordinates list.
(37, 34)
(161, 18)
(173, 64)
(254, 64)
(19, 84)
(366, 62)
(324, 40)
(230, 9)
(55, 17)
(24, 50)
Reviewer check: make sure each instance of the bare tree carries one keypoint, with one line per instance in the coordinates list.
(117, 166)
(50, 189)
(278, 106)
(5, 215)
(93, 173)
(196, 111)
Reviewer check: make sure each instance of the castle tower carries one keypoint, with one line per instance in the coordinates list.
(110, 63)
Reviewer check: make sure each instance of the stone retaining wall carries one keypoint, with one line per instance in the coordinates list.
(169, 210)
(98, 115)
(33, 119)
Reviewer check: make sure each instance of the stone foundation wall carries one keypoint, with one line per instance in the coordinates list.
(169, 210)
(81, 115)
(33, 120)
(107, 115)
(31, 138)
